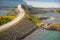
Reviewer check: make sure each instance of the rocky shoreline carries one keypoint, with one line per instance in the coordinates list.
(52, 26)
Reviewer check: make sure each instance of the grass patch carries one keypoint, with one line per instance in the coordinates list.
(5, 19)
(34, 20)
(58, 10)
(54, 26)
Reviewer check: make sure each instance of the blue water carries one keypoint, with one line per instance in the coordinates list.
(49, 15)
(44, 35)
(3, 12)
(52, 21)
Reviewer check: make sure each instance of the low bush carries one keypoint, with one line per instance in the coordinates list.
(54, 26)
(5, 19)
(58, 10)
(34, 20)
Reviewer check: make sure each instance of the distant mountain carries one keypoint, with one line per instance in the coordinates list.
(12, 3)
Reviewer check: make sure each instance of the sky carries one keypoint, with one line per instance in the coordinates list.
(34, 3)
(44, 3)
(10, 3)
(58, 1)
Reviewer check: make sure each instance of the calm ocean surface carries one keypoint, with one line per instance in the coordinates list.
(44, 35)
(3, 12)
(49, 15)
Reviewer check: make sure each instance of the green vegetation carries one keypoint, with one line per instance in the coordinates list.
(5, 19)
(54, 26)
(34, 20)
(58, 10)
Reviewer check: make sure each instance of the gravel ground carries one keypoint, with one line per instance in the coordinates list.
(19, 31)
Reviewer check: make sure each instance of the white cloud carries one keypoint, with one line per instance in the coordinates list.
(44, 4)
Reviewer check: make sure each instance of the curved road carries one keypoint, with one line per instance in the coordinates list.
(13, 22)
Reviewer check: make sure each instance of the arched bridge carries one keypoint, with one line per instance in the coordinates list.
(18, 28)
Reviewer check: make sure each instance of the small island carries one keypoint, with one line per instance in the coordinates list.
(53, 26)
